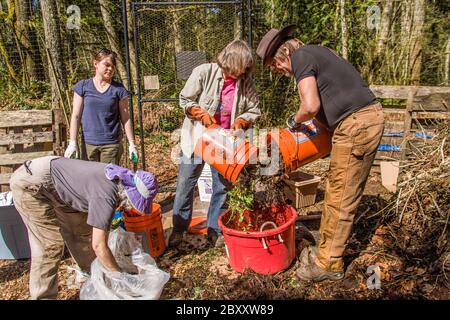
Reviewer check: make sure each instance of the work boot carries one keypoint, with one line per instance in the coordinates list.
(220, 242)
(175, 239)
(310, 271)
(215, 239)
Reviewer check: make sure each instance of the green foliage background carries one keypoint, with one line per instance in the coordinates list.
(318, 22)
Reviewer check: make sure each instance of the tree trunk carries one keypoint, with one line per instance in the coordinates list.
(405, 41)
(71, 38)
(344, 34)
(385, 26)
(237, 26)
(178, 47)
(131, 44)
(447, 63)
(336, 18)
(5, 19)
(54, 49)
(272, 16)
(28, 40)
(113, 38)
(415, 55)
(176, 30)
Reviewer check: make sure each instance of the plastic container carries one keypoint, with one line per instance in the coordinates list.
(266, 252)
(150, 227)
(198, 225)
(117, 220)
(225, 152)
(204, 184)
(311, 142)
(301, 188)
(14, 242)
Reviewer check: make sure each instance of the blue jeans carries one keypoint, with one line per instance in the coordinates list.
(189, 171)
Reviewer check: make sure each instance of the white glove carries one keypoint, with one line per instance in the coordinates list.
(71, 150)
(132, 151)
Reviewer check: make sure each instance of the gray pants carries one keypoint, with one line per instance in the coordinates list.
(50, 224)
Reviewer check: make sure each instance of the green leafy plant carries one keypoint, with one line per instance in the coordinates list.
(241, 198)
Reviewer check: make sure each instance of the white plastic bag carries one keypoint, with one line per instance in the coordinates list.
(77, 277)
(6, 199)
(140, 280)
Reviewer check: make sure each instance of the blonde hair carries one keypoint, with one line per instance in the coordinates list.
(236, 58)
(291, 44)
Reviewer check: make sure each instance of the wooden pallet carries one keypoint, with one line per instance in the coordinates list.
(26, 135)
(420, 103)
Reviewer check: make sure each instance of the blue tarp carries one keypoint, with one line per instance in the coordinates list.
(389, 147)
(423, 135)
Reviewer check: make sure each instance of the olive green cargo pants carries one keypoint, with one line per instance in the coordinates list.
(108, 153)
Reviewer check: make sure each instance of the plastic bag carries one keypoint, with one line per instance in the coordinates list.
(6, 199)
(76, 278)
(140, 280)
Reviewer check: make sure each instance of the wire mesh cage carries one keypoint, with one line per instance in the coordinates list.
(186, 61)
(173, 38)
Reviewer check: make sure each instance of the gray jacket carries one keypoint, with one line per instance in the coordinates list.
(203, 88)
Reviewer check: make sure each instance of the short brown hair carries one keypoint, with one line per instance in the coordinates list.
(236, 58)
(291, 44)
(105, 53)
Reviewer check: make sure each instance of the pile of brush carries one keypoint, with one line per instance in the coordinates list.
(419, 215)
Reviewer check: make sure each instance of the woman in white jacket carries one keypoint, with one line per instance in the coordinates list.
(222, 93)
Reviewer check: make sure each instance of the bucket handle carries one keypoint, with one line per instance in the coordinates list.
(264, 239)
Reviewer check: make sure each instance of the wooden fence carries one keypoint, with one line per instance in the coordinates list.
(413, 118)
(26, 135)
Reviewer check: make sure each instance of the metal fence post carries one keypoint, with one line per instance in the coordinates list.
(127, 65)
(138, 83)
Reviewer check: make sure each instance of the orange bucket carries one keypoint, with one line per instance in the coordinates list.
(311, 142)
(225, 152)
(151, 225)
(198, 225)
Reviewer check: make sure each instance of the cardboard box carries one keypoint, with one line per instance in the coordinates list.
(301, 188)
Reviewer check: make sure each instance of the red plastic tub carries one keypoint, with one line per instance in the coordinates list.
(265, 252)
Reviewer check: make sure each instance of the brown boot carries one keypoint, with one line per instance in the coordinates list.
(175, 239)
(310, 271)
(215, 239)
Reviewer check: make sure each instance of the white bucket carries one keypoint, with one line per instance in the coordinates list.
(204, 184)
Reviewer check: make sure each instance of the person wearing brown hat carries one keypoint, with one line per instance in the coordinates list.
(332, 91)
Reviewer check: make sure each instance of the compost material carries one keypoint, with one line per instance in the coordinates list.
(255, 200)
(418, 216)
